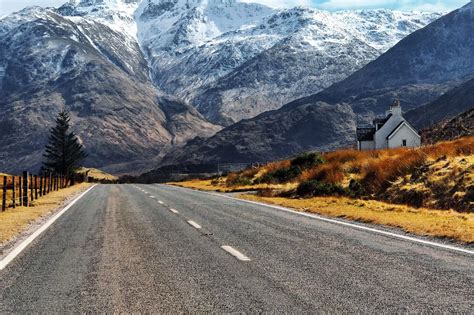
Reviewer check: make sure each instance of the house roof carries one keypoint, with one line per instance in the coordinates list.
(403, 122)
(381, 120)
(365, 133)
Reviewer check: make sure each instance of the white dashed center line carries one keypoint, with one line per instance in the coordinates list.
(235, 253)
(194, 224)
(160, 202)
(174, 211)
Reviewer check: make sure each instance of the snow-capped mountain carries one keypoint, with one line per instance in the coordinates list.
(234, 60)
(113, 63)
(116, 14)
(417, 70)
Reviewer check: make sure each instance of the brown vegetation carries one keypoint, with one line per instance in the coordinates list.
(421, 221)
(370, 175)
(14, 221)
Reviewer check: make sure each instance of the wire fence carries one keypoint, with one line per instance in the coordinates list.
(25, 189)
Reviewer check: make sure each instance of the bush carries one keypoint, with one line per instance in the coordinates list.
(307, 160)
(316, 188)
(281, 175)
(356, 189)
(329, 173)
(236, 179)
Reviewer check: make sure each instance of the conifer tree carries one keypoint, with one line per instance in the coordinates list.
(64, 152)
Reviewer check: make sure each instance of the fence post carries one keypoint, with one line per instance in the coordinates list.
(20, 192)
(31, 189)
(25, 189)
(13, 192)
(41, 185)
(36, 186)
(4, 196)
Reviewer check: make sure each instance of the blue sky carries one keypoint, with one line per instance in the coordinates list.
(8, 6)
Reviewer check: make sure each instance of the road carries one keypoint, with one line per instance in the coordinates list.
(130, 248)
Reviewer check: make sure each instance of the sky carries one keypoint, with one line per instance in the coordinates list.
(8, 6)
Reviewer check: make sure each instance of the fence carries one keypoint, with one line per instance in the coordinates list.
(23, 190)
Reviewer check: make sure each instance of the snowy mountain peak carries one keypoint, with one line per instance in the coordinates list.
(117, 14)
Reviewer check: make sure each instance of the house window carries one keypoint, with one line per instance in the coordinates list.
(404, 143)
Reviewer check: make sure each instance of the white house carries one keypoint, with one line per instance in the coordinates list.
(393, 131)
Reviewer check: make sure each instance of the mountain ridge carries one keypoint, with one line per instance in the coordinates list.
(366, 94)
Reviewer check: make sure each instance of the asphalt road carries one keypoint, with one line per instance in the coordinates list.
(121, 249)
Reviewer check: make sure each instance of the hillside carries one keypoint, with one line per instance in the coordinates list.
(450, 104)
(101, 76)
(459, 126)
(438, 176)
(418, 70)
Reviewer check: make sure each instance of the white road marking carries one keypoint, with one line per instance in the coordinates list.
(235, 253)
(152, 197)
(194, 224)
(174, 211)
(17, 250)
(160, 202)
(352, 225)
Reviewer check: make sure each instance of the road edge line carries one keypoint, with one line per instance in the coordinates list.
(352, 225)
(24, 244)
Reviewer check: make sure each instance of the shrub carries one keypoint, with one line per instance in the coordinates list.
(379, 173)
(281, 175)
(307, 160)
(356, 188)
(236, 179)
(317, 188)
(328, 173)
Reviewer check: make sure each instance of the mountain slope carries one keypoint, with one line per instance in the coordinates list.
(419, 69)
(461, 125)
(49, 62)
(272, 135)
(406, 71)
(454, 102)
(234, 60)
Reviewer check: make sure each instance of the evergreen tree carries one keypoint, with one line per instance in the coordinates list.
(63, 151)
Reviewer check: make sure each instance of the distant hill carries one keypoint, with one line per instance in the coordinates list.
(459, 126)
(454, 102)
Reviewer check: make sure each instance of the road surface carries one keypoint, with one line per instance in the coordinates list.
(137, 248)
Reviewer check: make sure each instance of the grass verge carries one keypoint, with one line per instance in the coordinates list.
(427, 222)
(208, 185)
(15, 221)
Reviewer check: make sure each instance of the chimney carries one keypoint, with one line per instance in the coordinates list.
(396, 108)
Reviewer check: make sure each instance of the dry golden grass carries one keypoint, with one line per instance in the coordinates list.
(14, 221)
(97, 174)
(438, 223)
(207, 185)
(4, 174)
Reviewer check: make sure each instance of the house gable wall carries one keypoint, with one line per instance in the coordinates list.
(381, 134)
(404, 133)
